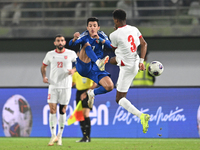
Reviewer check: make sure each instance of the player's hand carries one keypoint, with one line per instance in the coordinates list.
(83, 96)
(76, 36)
(96, 36)
(45, 80)
(141, 67)
(71, 71)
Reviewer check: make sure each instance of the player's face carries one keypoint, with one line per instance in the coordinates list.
(60, 43)
(116, 23)
(93, 28)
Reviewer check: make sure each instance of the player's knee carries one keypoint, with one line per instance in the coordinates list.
(62, 109)
(52, 110)
(109, 87)
(86, 44)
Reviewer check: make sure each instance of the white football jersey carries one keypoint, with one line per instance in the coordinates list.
(60, 63)
(126, 39)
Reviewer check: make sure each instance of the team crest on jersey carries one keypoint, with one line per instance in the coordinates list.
(65, 57)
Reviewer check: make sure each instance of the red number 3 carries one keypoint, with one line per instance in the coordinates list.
(133, 46)
(59, 64)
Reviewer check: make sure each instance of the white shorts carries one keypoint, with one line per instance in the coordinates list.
(59, 96)
(126, 76)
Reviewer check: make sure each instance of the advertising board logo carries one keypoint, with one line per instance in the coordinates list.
(173, 115)
(99, 115)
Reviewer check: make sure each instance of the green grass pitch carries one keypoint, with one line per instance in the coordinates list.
(100, 144)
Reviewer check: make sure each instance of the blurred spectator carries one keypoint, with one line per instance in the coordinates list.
(130, 8)
(11, 10)
(83, 10)
(144, 78)
(151, 4)
(194, 11)
(32, 14)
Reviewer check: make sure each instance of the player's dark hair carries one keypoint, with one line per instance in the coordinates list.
(59, 35)
(93, 19)
(119, 14)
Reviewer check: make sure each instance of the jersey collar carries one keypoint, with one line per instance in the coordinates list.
(122, 26)
(58, 51)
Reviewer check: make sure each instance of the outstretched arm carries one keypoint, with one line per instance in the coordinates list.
(75, 40)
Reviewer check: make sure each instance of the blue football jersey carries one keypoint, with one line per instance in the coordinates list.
(96, 45)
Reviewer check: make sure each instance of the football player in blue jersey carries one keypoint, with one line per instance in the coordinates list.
(90, 63)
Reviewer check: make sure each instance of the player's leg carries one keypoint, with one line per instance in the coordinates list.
(52, 123)
(87, 49)
(62, 120)
(85, 125)
(83, 56)
(82, 123)
(125, 78)
(86, 112)
(106, 86)
(52, 101)
(64, 98)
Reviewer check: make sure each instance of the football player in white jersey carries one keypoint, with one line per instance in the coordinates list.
(124, 41)
(60, 83)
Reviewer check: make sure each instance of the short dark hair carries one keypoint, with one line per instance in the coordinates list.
(92, 19)
(119, 14)
(59, 35)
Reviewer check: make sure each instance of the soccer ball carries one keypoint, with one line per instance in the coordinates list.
(17, 117)
(155, 68)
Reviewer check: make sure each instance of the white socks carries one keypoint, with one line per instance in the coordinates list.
(129, 107)
(62, 120)
(52, 124)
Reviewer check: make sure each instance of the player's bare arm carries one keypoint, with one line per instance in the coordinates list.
(143, 44)
(43, 71)
(113, 59)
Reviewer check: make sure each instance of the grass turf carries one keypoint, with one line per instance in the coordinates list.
(100, 144)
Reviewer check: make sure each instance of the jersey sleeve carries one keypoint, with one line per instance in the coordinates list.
(138, 33)
(105, 37)
(46, 61)
(78, 41)
(113, 39)
(74, 56)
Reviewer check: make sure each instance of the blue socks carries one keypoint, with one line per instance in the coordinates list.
(100, 90)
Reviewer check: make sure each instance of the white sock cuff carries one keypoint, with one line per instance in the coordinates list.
(124, 102)
(62, 118)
